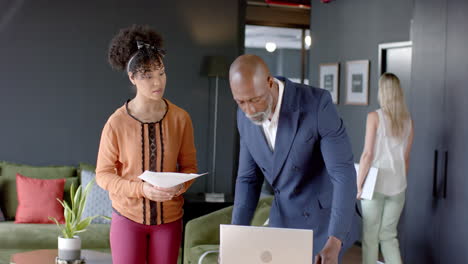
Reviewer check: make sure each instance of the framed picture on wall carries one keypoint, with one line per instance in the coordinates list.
(357, 82)
(330, 78)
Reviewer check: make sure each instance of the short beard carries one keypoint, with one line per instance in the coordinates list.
(260, 117)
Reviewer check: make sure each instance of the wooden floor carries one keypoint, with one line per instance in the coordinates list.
(354, 256)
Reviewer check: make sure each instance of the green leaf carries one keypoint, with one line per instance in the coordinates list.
(64, 205)
(68, 226)
(64, 233)
(84, 197)
(77, 196)
(84, 223)
(72, 193)
(69, 233)
(105, 217)
(61, 228)
(80, 207)
(55, 220)
(73, 218)
(80, 231)
(88, 187)
(74, 210)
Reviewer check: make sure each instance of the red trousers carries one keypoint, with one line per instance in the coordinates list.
(134, 243)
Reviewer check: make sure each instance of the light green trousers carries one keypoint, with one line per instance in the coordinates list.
(380, 218)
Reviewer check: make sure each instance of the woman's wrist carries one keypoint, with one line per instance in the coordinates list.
(142, 189)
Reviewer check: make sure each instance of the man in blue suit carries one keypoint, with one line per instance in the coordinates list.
(292, 136)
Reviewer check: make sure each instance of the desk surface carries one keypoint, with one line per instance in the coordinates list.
(47, 256)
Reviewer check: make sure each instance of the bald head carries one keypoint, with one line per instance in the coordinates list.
(252, 85)
(247, 70)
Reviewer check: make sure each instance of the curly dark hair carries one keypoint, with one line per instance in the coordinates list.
(137, 49)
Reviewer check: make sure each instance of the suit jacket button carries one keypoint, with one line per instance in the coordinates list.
(263, 169)
(295, 168)
(306, 214)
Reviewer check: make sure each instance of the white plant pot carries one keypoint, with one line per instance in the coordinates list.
(69, 248)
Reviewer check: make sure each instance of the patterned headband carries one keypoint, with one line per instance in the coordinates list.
(140, 45)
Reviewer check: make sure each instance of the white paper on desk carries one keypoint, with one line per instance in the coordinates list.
(369, 184)
(167, 179)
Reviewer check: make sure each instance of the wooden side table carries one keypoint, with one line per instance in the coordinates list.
(47, 256)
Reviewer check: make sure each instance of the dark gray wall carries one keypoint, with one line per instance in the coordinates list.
(57, 90)
(352, 30)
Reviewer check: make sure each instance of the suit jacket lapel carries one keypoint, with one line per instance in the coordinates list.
(261, 150)
(264, 142)
(287, 127)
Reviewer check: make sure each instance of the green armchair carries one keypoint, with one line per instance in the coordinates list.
(201, 242)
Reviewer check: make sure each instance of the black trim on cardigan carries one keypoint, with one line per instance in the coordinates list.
(162, 166)
(147, 123)
(143, 166)
(152, 167)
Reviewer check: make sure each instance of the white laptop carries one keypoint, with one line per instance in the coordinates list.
(252, 245)
(369, 183)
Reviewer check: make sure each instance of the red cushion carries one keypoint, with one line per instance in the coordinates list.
(37, 200)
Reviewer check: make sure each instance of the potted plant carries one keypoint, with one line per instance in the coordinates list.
(69, 243)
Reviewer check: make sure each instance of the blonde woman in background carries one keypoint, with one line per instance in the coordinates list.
(389, 137)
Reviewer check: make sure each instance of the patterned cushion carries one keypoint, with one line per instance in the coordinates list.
(98, 202)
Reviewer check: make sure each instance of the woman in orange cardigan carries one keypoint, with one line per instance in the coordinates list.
(147, 133)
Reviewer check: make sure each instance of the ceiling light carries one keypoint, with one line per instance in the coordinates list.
(270, 46)
(308, 41)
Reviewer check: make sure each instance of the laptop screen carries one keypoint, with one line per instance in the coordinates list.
(251, 244)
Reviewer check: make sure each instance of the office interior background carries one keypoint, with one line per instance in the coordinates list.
(57, 89)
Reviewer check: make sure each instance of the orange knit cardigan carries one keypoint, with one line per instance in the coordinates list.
(129, 147)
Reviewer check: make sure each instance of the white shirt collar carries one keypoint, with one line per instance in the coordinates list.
(275, 117)
(270, 127)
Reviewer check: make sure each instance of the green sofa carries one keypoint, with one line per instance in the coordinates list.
(16, 238)
(202, 234)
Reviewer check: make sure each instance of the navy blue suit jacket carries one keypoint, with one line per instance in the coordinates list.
(311, 169)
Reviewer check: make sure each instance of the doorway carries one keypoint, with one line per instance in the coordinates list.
(284, 50)
(396, 58)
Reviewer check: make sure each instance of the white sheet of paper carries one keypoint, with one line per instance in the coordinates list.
(369, 184)
(167, 179)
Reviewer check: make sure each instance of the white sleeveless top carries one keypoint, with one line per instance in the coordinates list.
(389, 157)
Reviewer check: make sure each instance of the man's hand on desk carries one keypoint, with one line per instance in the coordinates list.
(330, 252)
